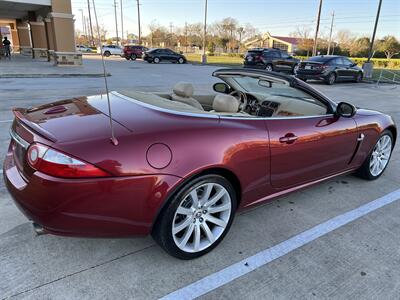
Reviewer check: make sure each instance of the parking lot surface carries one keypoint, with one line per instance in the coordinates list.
(359, 260)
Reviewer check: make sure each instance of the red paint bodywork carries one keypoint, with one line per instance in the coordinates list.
(248, 150)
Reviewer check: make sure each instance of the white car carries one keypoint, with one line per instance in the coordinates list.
(82, 48)
(109, 50)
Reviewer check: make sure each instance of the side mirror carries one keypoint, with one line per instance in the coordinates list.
(221, 87)
(345, 110)
(353, 65)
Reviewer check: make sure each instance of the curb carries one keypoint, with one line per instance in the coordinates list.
(93, 75)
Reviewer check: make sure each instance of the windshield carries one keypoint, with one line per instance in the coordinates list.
(264, 89)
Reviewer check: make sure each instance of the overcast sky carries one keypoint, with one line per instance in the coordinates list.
(279, 17)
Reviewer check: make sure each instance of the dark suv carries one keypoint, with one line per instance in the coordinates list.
(133, 52)
(157, 55)
(329, 68)
(270, 60)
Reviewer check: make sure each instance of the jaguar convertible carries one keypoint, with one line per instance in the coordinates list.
(181, 164)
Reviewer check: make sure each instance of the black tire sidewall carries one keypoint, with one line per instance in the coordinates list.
(364, 170)
(162, 232)
(107, 53)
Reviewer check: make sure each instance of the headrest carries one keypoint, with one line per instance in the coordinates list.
(183, 89)
(225, 103)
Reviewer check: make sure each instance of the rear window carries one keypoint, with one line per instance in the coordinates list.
(320, 59)
(254, 52)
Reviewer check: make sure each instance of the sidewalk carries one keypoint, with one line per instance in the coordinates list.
(25, 67)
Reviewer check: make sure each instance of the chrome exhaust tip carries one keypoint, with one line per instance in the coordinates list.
(39, 230)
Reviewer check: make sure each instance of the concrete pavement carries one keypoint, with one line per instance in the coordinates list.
(360, 260)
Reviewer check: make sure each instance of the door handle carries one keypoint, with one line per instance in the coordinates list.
(288, 139)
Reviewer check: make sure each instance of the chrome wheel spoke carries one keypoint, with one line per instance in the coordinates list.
(185, 211)
(178, 228)
(215, 198)
(197, 235)
(187, 235)
(195, 198)
(208, 232)
(219, 208)
(216, 221)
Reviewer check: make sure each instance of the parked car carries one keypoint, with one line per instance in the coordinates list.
(82, 48)
(109, 50)
(158, 55)
(180, 165)
(270, 59)
(133, 52)
(330, 68)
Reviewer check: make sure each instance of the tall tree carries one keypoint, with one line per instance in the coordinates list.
(389, 45)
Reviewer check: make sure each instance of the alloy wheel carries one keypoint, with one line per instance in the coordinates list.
(332, 78)
(268, 68)
(380, 155)
(201, 217)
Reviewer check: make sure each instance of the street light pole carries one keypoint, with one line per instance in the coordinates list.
(90, 23)
(116, 21)
(204, 57)
(330, 33)
(317, 29)
(138, 14)
(122, 24)
(371, 46)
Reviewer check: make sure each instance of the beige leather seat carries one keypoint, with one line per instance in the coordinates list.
(183, 92)
(225, 104)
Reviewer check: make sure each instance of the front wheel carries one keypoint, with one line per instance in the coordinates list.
(156, 60)
(133, 56)
(181, 60)
(269, 68)
(197, 218)
(378, 159)
(107, 54)
(358, 78)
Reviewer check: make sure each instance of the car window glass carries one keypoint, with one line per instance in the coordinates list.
(275, 54)
(339, 61)
(284, 55)
(347, 62)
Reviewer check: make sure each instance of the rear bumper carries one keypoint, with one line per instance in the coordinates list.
(101, 207)
(305, 75)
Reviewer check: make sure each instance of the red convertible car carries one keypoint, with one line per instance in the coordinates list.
(185, 163)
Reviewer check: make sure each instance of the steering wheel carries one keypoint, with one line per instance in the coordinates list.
(242, 97)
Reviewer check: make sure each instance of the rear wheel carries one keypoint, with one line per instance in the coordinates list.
(197, 218)
(269, 68)
(107, 53)
(295, 68)
(156, 60)
(377, 161)
(133, 56)
(331, 79)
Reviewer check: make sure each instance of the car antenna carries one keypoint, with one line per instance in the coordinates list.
(114, 140)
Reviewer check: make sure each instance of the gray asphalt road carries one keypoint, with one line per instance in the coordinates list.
(360, 260)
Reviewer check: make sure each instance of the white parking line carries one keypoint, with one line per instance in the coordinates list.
(228, 274)
(6, 121)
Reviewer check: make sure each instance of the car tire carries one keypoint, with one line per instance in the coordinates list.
(107, 53)
(269, 68)
(156, 60)
(133, 57)
(188, 231)
(378, 159)
(295, 68)
(331, 79)
(359, 77)
(127, 57)
(181, 60)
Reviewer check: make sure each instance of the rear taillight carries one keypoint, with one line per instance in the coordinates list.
(258, 57)
(55, 163)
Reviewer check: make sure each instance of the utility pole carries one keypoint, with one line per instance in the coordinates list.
(171, 26)
(83, 23)
(138, 14)
(204, 57)
(186, 37)
(116, 21)
(122, 24)
(330, 33)
(317, 29)
(371, 46)
(90, 24)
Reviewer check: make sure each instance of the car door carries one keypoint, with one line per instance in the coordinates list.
(349, 71)
(277, 61)
(286, 61)
(307, 147)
